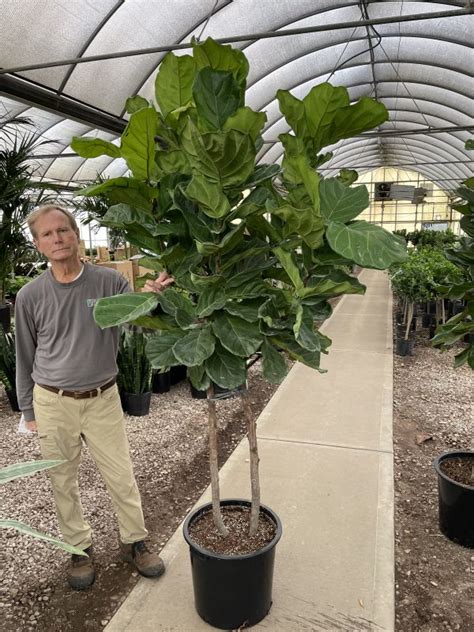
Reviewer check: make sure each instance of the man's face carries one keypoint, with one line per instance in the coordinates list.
(56, 239)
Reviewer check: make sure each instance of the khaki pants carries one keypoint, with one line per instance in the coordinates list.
(62, 421)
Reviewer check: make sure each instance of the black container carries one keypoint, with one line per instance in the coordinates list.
(196, 394)
(427, 320)
(456, 504)
(161, 382)
(232, 591)
(12, 398)
(5, 317)
(469, 338)
(177, 374)
(136, 404)
(405, 347)
(219, 392)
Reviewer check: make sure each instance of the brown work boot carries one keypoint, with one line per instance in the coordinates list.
(146, 562)
(81, 571)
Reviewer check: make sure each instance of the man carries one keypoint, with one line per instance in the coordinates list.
(66, 385)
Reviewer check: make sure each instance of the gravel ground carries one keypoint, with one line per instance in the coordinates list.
(434, 577)
(433, 413)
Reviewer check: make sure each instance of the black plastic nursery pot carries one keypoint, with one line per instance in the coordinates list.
(161, 382)
(456, 503)
(405, 347)
(12, 398)
(232, 591)
(178, 374)
(5, 317)
(219, 392)
(136, 404)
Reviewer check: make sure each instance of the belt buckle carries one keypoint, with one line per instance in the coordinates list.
(76, 394)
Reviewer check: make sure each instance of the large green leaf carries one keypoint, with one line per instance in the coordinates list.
(121, 215)
(247, 310)
(138, 143)
(304, 330)
(224, 157)
(135, 103)
(340, 203)
(287, 261)
(211, 299)
(217, 96)
(247, 121)
(297, 171)
(25, 529)
(163, 322)
(231, 240)
(252, 289)
(295, 351)
(325, 115)
(273, 363)
(123, 308)
(209, 196)
(159, 348)
(17, 470)
(199, 378)
(368, 245)
(237, 335)
(93, 147)
(174, 82)
(226, 369)
(333, 284)
(195, 347)
(123, 190)
(179, 306)
(222, 57)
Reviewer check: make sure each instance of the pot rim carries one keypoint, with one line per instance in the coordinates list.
(452, 454)
(222, 556)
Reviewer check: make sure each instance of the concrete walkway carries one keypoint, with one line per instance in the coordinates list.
(325, 445)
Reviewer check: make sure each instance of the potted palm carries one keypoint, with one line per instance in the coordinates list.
(254, 265)
(134, 376)
(16, 202)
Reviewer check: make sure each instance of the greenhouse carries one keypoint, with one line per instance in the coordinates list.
(237, 315)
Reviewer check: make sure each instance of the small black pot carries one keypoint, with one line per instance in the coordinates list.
(427, 320)
(178, 374)
(219, 392)
(405, 347)
(161, 382)
(5, 317)
(456, 504)
(13, 400)
(469, 338)
(232, 591)
(136, 404)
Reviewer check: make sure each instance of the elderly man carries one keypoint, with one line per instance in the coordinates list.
(66, 385)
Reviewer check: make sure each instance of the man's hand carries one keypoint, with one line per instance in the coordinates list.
(31, 426)
(159, 284)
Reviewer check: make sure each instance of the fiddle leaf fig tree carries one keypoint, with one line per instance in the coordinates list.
(253, 267)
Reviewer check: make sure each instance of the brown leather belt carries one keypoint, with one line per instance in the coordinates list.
(80, 394)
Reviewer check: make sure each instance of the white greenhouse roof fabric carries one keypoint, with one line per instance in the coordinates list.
(420, 69)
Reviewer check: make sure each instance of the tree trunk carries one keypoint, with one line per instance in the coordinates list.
(254, 460)
(409, 319)
(213, 463)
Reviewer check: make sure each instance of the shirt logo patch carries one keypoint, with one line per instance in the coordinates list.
(91, 302)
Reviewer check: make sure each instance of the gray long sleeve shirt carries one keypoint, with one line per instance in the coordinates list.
(58, 343)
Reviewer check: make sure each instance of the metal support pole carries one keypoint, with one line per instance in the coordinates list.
(397, 19)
